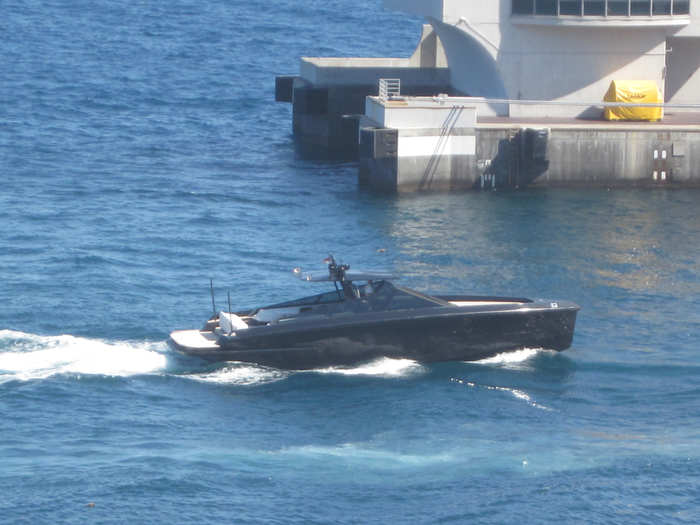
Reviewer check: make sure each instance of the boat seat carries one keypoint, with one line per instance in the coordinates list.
(231, 322)
(271, 315)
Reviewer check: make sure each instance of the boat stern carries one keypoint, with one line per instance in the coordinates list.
(193, 342)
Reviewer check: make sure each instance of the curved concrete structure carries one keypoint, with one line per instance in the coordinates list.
(535, 74)
(473, 52)
(564, 50)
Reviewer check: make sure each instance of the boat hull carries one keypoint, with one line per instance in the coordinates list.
(456, 334)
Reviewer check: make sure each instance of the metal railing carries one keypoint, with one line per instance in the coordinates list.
(389, 88)
(466, 101)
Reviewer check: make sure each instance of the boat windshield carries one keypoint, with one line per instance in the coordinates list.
(387, 296)
(335, 296)
(373, 296)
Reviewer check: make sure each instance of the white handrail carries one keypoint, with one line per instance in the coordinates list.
(389, 87)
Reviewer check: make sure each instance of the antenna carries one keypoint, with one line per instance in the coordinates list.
(229, 301)
(211, 288)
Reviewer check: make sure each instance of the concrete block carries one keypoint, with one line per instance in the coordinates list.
(284, 87)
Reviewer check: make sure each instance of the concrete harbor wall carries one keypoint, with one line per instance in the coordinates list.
(328, 95)
(383, 166)
(407, 143)
(325, 118)
(535, 75)
(413, 144)
(507, 157)
(565, 50)
(623, 157)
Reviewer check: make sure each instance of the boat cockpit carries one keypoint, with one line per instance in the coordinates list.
(375, 293)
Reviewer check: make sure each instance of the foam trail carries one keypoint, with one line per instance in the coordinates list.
(518, 394)
(29, 356)
(509, 358)
(251, 374)
(384, 366)
(240, 374)
(357, 453)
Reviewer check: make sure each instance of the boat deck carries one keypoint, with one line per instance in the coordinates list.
(194, 339)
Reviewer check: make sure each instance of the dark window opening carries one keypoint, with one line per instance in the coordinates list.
(618, 7)
(598, 7)
(641, 7)
(661, 7)
(546, 7)
(570, 7)
(523, 7)
(594, 7)
(681, 7)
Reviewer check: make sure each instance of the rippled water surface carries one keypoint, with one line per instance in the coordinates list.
(142, 153)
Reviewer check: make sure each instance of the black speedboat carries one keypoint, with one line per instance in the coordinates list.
(366, 316)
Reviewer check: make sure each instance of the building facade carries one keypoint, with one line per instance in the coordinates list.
(565, 50)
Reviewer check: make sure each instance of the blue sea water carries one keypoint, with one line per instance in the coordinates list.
(141, 154)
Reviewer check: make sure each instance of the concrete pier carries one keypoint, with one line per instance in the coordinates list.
(328, 95)
(410, 144)
(535, 73)
(437, 144)
(612, 154)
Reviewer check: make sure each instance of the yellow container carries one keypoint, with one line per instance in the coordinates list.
(636, 92)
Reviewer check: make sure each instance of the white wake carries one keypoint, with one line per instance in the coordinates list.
(366, 455)
(383, 367)
(240, 374)
(252, 374)
(511, 358)
(25, 357)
